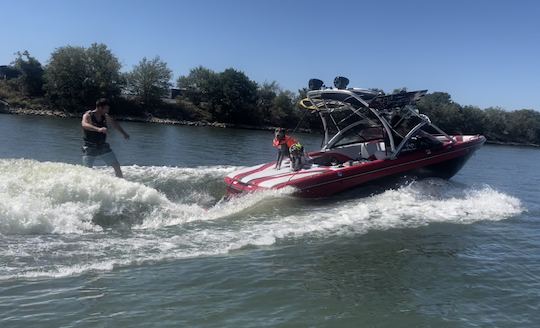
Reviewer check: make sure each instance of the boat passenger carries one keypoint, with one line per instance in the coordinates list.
(282, 142)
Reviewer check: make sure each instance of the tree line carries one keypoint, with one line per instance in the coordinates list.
(74, 77)
(518, 126)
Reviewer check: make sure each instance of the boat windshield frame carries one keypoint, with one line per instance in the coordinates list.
(364, 107)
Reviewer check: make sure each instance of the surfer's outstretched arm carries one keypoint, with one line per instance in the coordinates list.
(117, 126)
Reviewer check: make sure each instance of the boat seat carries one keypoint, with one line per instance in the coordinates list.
(372, 150)
(329, 158)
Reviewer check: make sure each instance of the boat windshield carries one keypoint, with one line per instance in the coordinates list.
(358, 134)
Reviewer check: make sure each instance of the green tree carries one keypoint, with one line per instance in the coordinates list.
(200, 85)
(30, 80)
(474, 120)
(75, 76)
(277, 107)
(496, 124)
(284, 110)
(64, 77)
(524, 126)
(103, 73)
(445, 113)
(238, 98)
(266, 94)
(149, 81)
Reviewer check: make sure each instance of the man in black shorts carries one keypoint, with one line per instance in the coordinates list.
(94, 124)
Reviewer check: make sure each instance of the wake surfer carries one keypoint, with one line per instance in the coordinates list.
(95, 129)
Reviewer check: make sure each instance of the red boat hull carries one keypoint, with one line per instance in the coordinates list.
(443, 163)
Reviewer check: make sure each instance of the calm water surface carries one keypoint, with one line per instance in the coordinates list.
(80, 248)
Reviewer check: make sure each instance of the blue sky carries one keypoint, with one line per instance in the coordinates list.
(484, 53)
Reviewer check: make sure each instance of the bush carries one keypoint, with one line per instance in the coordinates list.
(149, 80)
(75, 76)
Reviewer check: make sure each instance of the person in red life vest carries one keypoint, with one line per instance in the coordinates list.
(282, 142)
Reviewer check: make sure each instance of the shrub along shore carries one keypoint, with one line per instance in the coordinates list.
(140, 119)
(74, 77)
(157, 120)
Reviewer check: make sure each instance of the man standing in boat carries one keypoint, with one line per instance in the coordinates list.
(95, 128)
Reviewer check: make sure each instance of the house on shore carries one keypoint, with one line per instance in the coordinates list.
(8, 72)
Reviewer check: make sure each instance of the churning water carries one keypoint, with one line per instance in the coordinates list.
(162, 247)
(60, 219)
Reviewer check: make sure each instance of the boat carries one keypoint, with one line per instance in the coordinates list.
(368, 136)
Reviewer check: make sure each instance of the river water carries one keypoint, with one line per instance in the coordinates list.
(81, 248)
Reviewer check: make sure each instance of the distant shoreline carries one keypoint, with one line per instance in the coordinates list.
(157, 120)
(509, 143)
(151, 119)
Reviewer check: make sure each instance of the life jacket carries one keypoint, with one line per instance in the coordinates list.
(93, 138)
(296, 148)
(289, 141)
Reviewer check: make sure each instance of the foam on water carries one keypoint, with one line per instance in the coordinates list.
(58, 219)
(60, 198)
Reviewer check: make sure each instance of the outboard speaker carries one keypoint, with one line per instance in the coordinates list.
(315, 84)
(341, 82)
